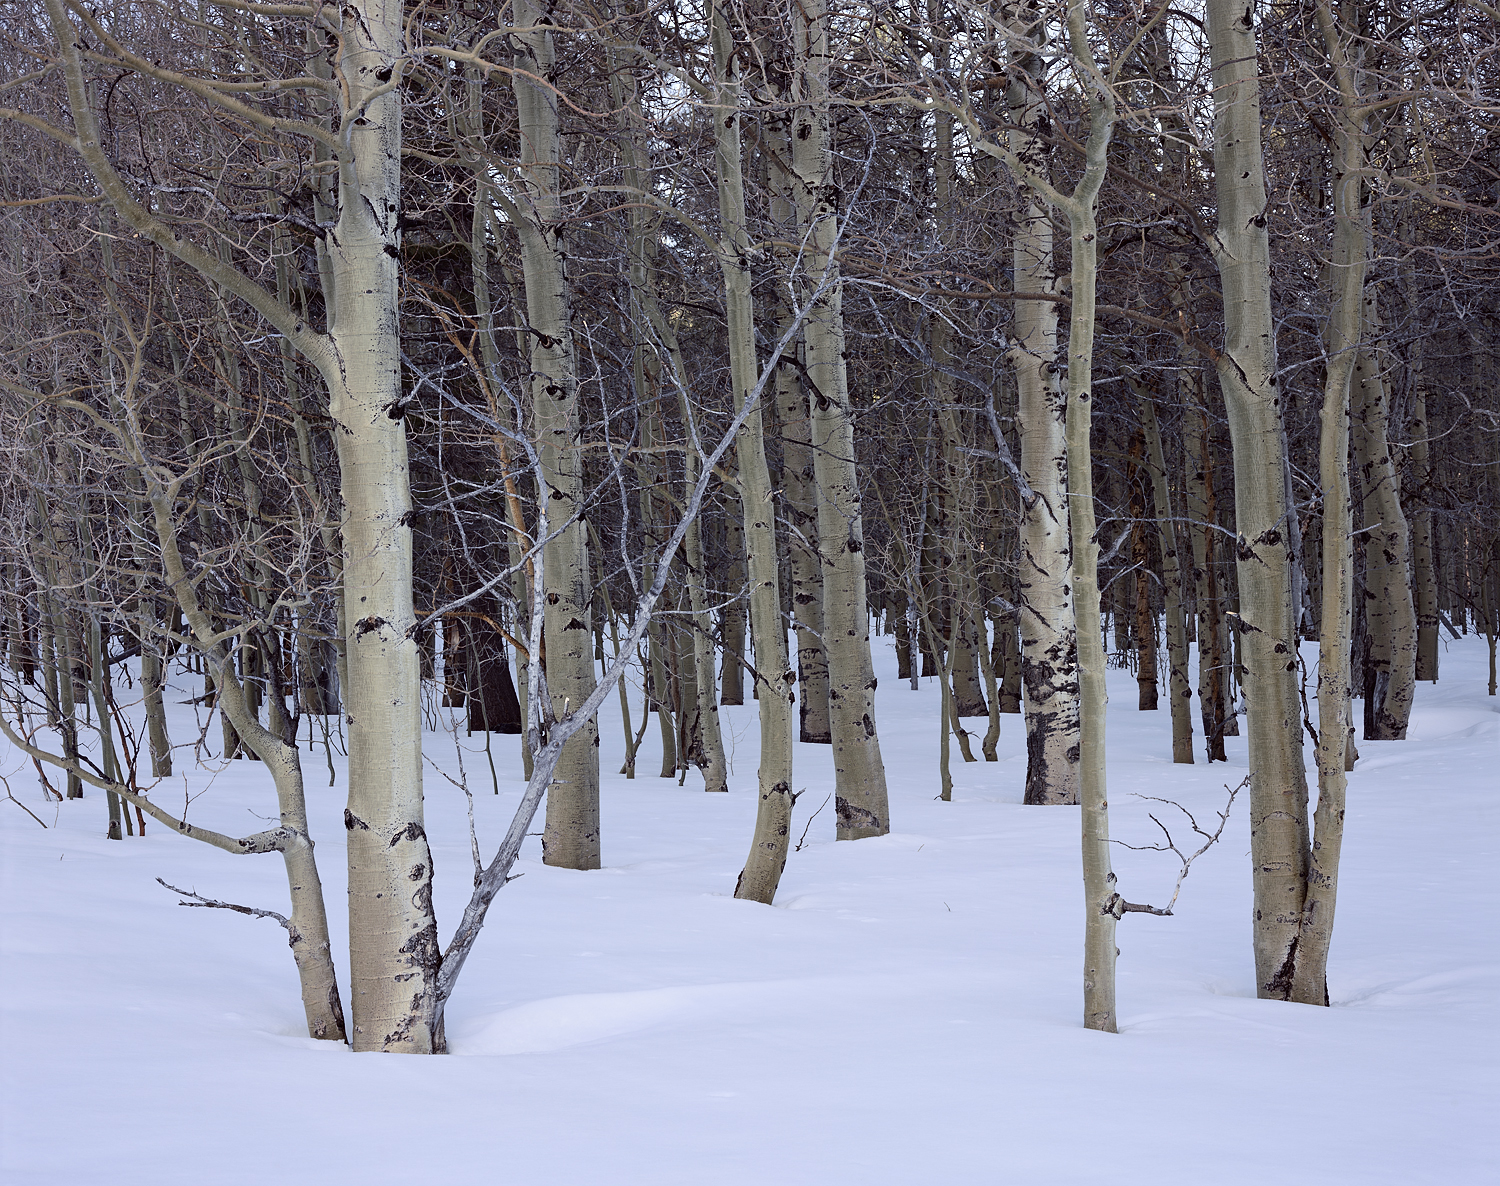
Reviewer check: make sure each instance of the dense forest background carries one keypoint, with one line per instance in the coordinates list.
(489, 348)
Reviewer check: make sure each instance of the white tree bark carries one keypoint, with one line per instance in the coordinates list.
(571, 835)
(1265, 624)
(774, 676)
(1048, 626)
(1347, 267)
(393, 942)
(393, 945)
(860, 797)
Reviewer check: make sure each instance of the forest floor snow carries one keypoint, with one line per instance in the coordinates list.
(908, 1011)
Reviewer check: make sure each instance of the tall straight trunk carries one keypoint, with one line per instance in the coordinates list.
(1140, 557)
(1100, 899)
(860, 800)
(153, 681)
(1179, 690)
(159, 741)
(1348, 264)
(1423, 572)
(774, 677)
(700, 714)
(393, 943)
(699, 740)
(1389, 606)
(1102, 905)
(97, 674)
(570, 838)
(733, 618)
(900, 633)
(798, 470)
(1044, 588)
(802, 545)
(1202, 514)
(1265, 626)
(1012, 682)
(957, 494)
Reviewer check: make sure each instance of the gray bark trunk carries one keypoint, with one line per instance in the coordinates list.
(860, 791)
(1179, 689)
(1423, 575)
(1389, 607)
(1265, 626)
(774, 677)
(570, 838)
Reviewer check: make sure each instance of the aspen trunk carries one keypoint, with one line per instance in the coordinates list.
(1423, 575)
(1048, 628)
(571, 834)
(708, 744)
(799, 480)
(774, 678)
(1179, 690)
(699, 739)
(1140, 555)
(1348, 265)
(393, 945)
(1202, 513)
(733, 620)
(860, 798)
(1265, 626)
(1389, 606)
(1100, 899)
(992, 691)
(393, 940)
(802, 546)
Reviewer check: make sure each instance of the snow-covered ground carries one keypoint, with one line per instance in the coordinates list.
(907, 1012)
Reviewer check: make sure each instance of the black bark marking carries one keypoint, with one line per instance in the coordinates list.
(352, 821)
(365, 625)
(1281, 983)
(851, 815)
(412, 831)
(423, 947)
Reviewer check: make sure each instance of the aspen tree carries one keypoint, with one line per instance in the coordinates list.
(393, 943)
(1265, 627)
(1048, 627)
(798, 475)
(571, 835)
(1179, 691)
(860, 799)
(1102, 905)
(1424, 574)
(700, 740)
(1348, 265)
(774, 677)
(1390, 677)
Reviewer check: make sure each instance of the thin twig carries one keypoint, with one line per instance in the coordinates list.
(200, 900)
(1118, 906)
(810, 818)
(9, 795)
